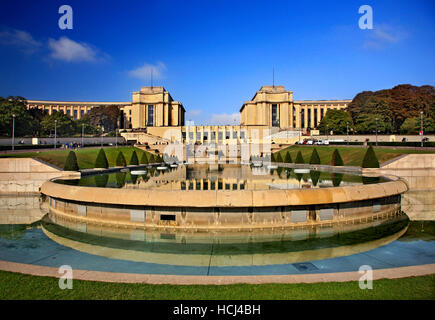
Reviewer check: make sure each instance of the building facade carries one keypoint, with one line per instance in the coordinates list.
(273, 106)
(153, 112)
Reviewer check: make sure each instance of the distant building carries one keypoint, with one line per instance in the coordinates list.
(273, 106)
(153, 112)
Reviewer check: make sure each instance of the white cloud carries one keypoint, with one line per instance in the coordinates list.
(382, 35)
(224, 119)
(144, 72)
(19, 39)
(193, 113)
(69, 50)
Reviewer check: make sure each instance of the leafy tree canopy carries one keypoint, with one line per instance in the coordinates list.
(336, 120)
(397, 104)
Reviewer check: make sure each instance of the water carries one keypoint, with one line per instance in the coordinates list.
(235, 177)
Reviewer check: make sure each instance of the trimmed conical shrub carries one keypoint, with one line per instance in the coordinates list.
(134, 160)
(278, 157)
(299, 158)
(272, 158)
(336, 159)
(370, 160)
(71, 162)
(315, 159)
(120, 160)
(101, 161)
(144, 158)
(288, 158)
(315, 175)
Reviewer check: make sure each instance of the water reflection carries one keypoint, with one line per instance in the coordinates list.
(226, 249)
(234, 177)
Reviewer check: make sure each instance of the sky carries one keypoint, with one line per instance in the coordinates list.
(212, 56)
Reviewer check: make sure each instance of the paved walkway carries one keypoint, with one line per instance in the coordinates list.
(390, 273)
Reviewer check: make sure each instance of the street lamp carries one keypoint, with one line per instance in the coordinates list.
(347, 131)
(421, 127)
(377, 131)
(13, 132)
(83, 132)
(55, 133)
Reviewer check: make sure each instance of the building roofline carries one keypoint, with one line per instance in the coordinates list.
(76, 102)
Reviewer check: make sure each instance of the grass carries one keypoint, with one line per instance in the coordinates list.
(85, 157)
(20, 286)
(352, 156)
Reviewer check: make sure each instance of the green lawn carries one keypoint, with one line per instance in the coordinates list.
(85, 157)
(19, 286)
(352, 156)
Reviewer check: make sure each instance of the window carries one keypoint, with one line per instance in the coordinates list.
(150, 116)
(303, 118)
(198, 136)
(183, 135)
(213, 136)
(227, 135)
(242, 134)
(234, 134)
(309, 118)
(75, 114)
(315, 117)
(68, 112)
(190, 135)
(167, 217)
(82, 113)
(206, 136)
(275, 115)
(322, 111)
(220, 134)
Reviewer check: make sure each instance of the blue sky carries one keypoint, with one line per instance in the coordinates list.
(213, 55)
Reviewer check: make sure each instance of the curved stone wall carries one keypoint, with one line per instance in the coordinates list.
(194, 210)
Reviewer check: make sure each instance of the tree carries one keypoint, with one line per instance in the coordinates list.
(337, 120)
(336, 159)
(299, 158)
(71, 162)
(397, 104)
(84, 123)
(413, 125)
(367, 123)
(315, 159)
(25, 124)
(65, 126)
(120, 160)
(278, 157)
(144, 158)
(105, 117)
(101, 161)
(370, 160)
(288, 158)
(134, 160)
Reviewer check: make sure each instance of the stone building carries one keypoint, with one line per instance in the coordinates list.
(273, 106)
(156, 117)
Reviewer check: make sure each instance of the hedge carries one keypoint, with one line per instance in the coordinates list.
(336, 159)
(299, 158)
(101, 161)
(71, 162)
(120, 160)
(315, 159)
(134, 160)
(370, 160)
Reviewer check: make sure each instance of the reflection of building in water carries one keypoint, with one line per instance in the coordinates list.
(419, 201)
(20, 209)
(231, 178)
